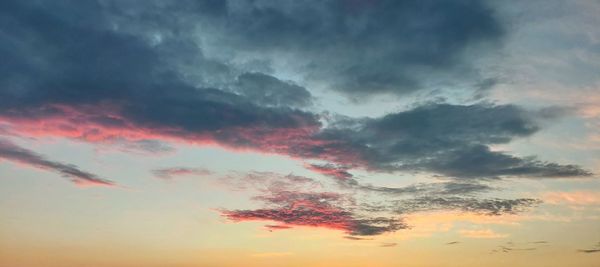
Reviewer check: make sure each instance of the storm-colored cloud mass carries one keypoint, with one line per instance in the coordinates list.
(595, 249)
(365, 47)
(270, 91)
(115, 77)
(14, 153)
(297, 132)
(245, 76)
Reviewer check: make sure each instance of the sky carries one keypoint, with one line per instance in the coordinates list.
(299, 133)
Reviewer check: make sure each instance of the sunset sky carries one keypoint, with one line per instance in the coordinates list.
(196, 133)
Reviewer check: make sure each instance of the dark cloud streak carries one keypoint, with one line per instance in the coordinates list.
(12, 152)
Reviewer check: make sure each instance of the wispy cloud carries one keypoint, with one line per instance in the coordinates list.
(12, 152)
(170, 173)
(322, 209)
(245, 107)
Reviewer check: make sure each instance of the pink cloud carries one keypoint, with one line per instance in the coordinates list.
(572, 198)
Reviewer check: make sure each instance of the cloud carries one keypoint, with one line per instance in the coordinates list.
(127, 78)
(572, 198)
(451, 140)
(170, 173)
(453, 243)
(12, 152)
(270, 91)
(424, 189)
(595, 249)
(475, 205)
(331, 170)
(315, 209)
(269, 182)
(364, 48)
(486, 233)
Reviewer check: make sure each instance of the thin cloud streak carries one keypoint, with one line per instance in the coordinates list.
(12, 152)
(170, 173)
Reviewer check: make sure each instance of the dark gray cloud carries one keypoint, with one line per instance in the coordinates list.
(451, 140)
(269, 182)
(270, 91)
(595, 249)
(56, 61)
(152, 71)
(365, 47)
(316, 209)
(12, 152)
(355, 47)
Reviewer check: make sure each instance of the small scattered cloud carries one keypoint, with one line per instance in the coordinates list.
(170, 173)
(594, 249)
(388, 244)
(470, 204)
